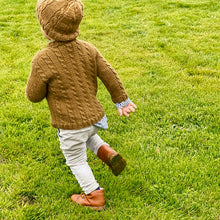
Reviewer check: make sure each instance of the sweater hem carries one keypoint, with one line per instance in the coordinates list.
(74, 126)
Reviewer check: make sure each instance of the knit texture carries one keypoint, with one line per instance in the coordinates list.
(60, 19)
(66, 74)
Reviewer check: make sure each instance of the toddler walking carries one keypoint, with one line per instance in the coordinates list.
(65, 73)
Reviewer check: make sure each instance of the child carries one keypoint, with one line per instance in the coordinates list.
(65, 73)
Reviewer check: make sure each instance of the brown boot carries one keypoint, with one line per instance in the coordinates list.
(94, 200)
(112, 158)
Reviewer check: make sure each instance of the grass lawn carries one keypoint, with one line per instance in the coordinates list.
(167, 54)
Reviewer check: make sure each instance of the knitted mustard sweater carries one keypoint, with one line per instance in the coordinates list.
(66, 74)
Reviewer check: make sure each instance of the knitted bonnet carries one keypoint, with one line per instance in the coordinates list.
(60, 19)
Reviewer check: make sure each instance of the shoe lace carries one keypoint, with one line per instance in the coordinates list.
(82, 194)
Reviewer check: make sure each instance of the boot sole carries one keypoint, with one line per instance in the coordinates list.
(117, 164)
(97, 208)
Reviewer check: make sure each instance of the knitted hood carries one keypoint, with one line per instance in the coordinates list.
(60, 19)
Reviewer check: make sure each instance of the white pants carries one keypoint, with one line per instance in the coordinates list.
(74, 144)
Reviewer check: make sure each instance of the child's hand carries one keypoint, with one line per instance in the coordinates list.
(127, 109)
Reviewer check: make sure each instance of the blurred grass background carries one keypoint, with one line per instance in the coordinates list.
(167, 54)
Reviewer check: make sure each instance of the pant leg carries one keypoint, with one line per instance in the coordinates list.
(94, 143)
(73, 145)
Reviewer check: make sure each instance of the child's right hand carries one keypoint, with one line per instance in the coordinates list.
(127, 109)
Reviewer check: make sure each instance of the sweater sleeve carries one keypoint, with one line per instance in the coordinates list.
(110, 79)
(36, 89)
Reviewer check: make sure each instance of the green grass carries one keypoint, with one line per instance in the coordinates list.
(167, 54)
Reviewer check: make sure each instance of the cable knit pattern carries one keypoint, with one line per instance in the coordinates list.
(65, 73)
(83, 63)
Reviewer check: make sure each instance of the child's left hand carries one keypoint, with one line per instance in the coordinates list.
(127, 109)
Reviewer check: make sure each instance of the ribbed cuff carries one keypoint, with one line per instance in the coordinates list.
(123, 104)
